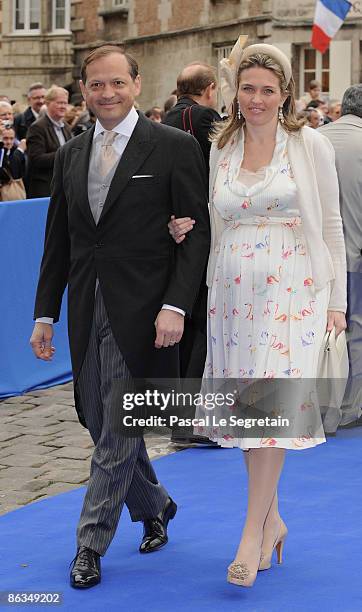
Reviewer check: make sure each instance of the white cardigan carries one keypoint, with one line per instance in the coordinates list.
(311, 156)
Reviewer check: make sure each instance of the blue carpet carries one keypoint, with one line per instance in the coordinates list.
(321, 501)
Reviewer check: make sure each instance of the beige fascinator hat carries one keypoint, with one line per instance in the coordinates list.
(229, 66)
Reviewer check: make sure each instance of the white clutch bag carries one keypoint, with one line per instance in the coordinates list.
(333, 368)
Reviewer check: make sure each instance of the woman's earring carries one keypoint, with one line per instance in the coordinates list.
(281, 115)
(239, 111)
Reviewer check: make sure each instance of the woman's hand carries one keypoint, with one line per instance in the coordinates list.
(336, 319)
(178, 228)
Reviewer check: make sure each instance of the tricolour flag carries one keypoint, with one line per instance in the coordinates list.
(328, 18)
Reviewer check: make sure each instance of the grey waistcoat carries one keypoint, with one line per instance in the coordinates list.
(98, 186)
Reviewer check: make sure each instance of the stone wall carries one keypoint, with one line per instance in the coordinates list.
(24, 58)
(161, 59)
(164, 35)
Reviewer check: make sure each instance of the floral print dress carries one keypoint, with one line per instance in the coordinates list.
(265, 319)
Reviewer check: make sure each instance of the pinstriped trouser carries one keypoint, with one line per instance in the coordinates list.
(120, 469)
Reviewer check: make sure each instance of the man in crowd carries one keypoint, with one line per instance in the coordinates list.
(195, 112)
(169, 103)
(334, 110)
(129, 287)
(154, 113)
(12, 157)
(6, 114)
(314, 92)
(44, 138)
(23, 121)
(345, 135)
(314, 117)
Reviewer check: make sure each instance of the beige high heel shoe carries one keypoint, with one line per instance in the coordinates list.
(239, 573)
(265, 560)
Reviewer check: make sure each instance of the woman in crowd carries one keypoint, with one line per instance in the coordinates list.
(276, 272)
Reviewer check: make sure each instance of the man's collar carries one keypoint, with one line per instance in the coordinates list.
(36, 115)
(125, 127)
(58, 124)
(351, 119)
(187, 99)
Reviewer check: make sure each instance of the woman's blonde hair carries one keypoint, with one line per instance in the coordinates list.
(223, 130)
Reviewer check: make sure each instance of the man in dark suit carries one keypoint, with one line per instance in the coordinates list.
(195, 112)
(129, 286)
(44, 138)
(23, 121)
(12, 157)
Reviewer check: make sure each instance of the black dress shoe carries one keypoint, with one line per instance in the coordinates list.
(86, 571)
(155, 530)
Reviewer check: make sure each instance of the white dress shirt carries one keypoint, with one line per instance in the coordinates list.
(58, 129)
(124, 131)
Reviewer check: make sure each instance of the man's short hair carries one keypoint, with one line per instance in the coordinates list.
(103, 51)
(352, 101)
(314, 84)
(333, 103)
(170, 103)
(9, 129)
(154, 111)
(315, 103)
(35, 86)
(53, 93)
(5, 104)
(194, 82)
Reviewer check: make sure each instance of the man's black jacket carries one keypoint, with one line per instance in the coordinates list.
(22, 123)
(189, 116)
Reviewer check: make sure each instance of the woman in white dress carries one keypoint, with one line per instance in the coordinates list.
(276, 273)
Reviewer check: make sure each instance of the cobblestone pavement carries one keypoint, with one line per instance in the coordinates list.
(43, 448)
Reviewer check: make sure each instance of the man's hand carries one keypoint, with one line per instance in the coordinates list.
(178, 228)
(169, 328)
(336, 319)
(22, 145)
(41, 341)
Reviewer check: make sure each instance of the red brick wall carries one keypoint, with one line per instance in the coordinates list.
(88, 11)
(146, 17)
(185, 14)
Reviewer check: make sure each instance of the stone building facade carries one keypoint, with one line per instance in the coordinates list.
(164, 35)
(35, 45)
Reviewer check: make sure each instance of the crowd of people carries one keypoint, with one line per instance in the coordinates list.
(30, 137)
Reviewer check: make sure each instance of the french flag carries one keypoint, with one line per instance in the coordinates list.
(328, 18)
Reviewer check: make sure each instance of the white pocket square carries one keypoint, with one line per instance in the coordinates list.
(143, 176)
